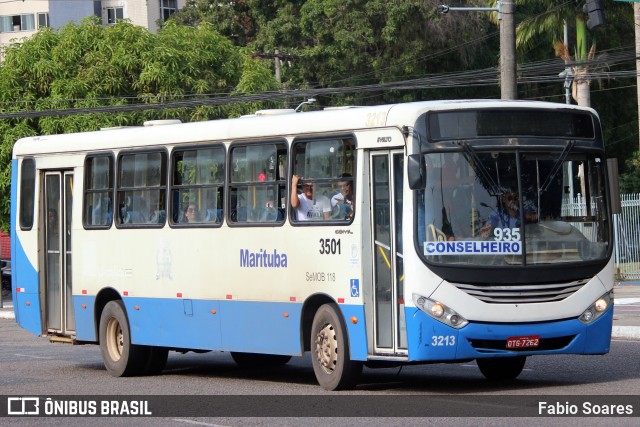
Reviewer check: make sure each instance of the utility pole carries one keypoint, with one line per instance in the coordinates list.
(278, 57)
(567, 73)
(508, 76)
(636, 18)
(507, 16)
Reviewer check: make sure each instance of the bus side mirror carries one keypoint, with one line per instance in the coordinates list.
(416, 171)
(614, 185)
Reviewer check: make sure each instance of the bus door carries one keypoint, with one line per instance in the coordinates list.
(388, 271)
(58, 199)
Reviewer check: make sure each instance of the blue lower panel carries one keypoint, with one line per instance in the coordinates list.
(83, 309)
(25, 277)
(258, 327)
(430, 340)
(179, 323)
(27, 309)
(357, 331)
(252, 327)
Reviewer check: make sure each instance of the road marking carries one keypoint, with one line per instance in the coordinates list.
(625, 301)
(31, 356)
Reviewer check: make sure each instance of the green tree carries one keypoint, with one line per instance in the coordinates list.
(354, 42)
(540, 34)
(630, 182)
(232, 19)
(88, 65)
(546, 20)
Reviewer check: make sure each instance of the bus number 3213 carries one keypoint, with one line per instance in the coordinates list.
(329, 246)
(443, 340)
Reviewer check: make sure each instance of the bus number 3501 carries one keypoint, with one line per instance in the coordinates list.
(330, 246)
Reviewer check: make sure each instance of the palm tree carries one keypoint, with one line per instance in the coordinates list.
(547, 18)
(552, 16)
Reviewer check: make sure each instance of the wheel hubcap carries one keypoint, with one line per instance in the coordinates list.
(327, 348)
(115, 339)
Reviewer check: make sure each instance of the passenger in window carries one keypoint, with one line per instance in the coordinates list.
(307, 205)
(191, 213)
(342, 203)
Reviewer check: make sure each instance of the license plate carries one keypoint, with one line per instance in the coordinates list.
(530, 341)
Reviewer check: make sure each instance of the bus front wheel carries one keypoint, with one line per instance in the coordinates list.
(121, 358)
(501, 368)
(330, 351)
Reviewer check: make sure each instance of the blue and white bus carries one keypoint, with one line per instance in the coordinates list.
(439, 231)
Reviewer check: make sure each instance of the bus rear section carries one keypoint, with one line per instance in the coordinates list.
(41, 249)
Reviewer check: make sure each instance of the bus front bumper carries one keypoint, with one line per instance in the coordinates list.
(431, 340)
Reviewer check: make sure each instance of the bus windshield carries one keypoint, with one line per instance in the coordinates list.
(513, 208)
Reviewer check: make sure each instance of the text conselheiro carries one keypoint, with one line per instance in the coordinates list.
(471, 247)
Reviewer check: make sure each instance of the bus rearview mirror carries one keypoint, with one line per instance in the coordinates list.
(416, 171)
(614, 185)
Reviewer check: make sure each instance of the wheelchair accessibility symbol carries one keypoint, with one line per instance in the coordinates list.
(355, 287)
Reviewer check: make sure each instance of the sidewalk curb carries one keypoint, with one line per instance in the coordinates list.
(626, 332)
(7, 313)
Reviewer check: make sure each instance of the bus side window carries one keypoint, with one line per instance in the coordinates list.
(197, 183)
(141, 187)
(325, 169)
(27, 192)
(257, 183)
(98, 191)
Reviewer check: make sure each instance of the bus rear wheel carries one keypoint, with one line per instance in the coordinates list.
(501, 368)
(120, 357)
(255, 359)
(330, 351)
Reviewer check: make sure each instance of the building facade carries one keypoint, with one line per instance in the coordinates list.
(22, 18)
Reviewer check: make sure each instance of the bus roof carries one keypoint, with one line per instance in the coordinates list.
(256, 126)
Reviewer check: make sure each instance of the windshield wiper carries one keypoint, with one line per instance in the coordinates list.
(473, 159)
(556, 166)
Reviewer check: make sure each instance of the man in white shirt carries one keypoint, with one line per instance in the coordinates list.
(306, 205)
(343, 201)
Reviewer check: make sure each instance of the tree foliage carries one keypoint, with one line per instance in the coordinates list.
(88, 65)
(630, 182)
(206, 49)
(355, 42)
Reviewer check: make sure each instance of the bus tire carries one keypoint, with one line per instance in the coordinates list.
(120, 357)
(501, 368)
(156, 360)
(330, 351)
(256, 359)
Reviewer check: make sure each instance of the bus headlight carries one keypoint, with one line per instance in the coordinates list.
(598, 308)
(440, 312)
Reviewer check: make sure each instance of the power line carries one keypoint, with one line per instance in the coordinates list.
(538, 72)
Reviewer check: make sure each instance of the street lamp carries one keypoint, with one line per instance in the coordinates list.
(568, 76)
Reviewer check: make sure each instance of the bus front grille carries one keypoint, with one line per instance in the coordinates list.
(522, 294)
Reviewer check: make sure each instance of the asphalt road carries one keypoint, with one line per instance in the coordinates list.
(32, 366)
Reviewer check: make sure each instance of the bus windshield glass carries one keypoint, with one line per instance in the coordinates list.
(513, 208)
